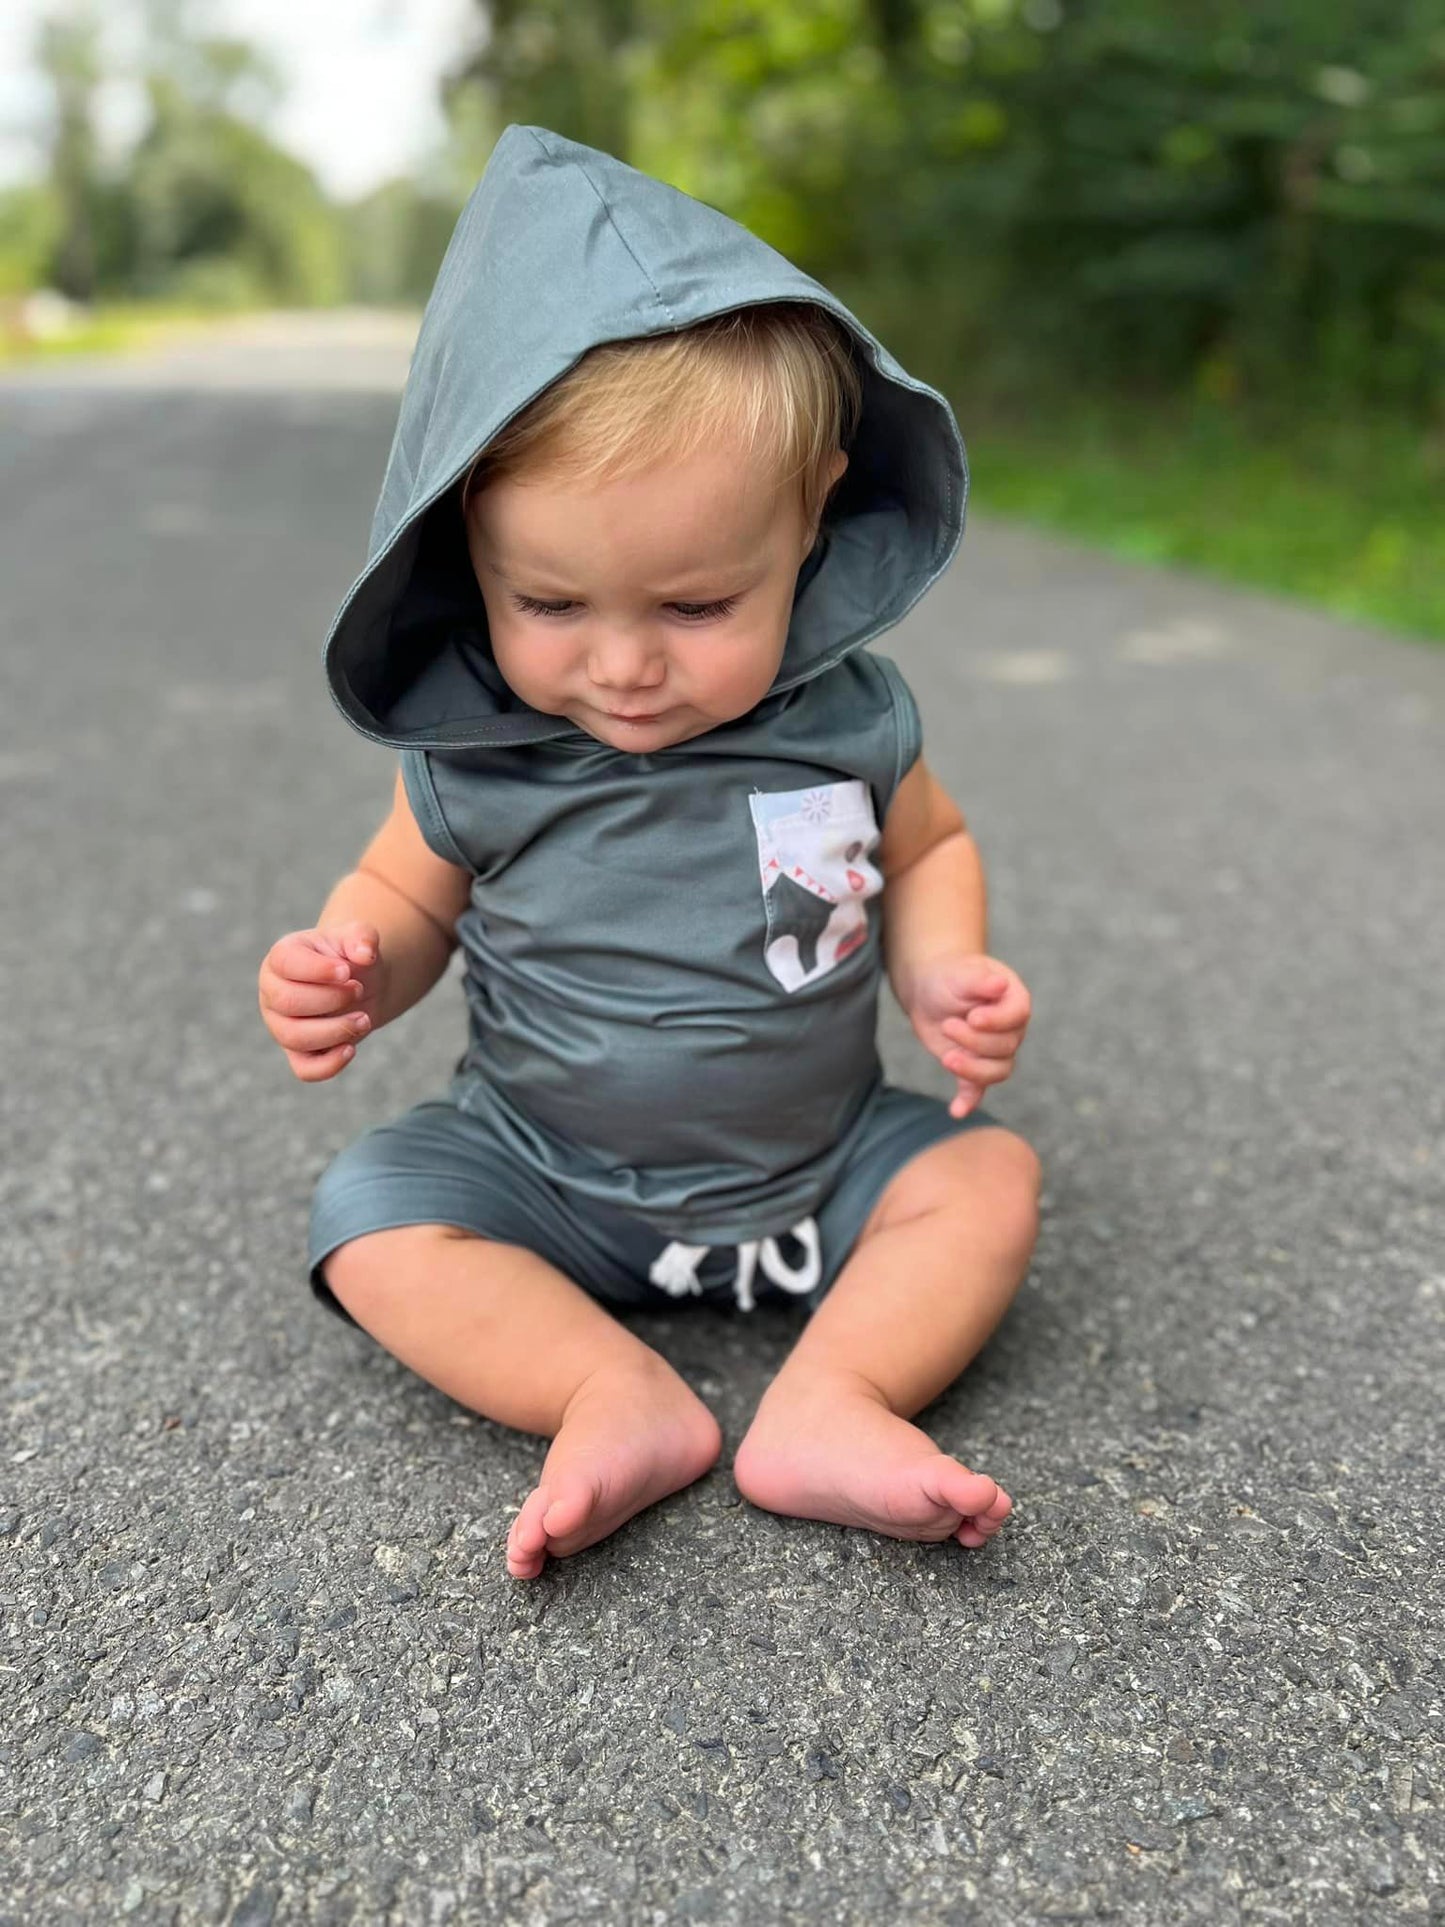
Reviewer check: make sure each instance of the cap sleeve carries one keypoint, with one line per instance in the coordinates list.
(908, 724)
(421, 793)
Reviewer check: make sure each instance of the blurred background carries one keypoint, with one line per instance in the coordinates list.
(1181, 270)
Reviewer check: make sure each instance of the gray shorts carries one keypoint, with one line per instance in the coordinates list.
(438, 1164)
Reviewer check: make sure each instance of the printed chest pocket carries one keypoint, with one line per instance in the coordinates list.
(814, 850)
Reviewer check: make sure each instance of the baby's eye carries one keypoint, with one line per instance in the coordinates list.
(689, 611)
(705, 611)
(529, 606)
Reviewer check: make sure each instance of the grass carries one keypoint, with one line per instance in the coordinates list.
(1348, 514)
(110, 328)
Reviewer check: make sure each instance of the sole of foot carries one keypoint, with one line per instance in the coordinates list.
(628, 1441)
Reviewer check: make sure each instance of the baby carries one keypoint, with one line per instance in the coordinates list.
(652, 491)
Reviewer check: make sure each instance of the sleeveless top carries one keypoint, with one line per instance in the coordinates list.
(673, 960)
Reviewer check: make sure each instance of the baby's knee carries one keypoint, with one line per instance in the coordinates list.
(1007, 1172)
(1025, 1167)
(378, 1264)
(984, 1180)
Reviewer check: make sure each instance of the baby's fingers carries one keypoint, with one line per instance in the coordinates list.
(968, 1098)
(1010, 1013)
(961, 1032)
(313, 1067)
(305, 957)
(283, 997)
(978, 1070)
(318, 1033)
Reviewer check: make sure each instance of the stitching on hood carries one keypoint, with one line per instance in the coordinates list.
(556, 161)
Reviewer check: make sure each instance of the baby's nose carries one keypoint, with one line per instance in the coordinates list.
(625, 663)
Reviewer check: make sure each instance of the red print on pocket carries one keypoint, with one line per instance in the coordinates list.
(814, 850)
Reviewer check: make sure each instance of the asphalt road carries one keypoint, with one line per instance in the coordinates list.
(261, 1659)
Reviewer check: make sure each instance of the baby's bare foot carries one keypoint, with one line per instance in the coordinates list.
(629, 1437)
(824, 1446)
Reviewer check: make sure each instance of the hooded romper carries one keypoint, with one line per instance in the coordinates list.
(671, 1086)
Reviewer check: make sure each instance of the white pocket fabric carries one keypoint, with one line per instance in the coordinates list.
(814, 848)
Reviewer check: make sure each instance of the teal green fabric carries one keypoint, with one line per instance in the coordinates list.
(673, 958)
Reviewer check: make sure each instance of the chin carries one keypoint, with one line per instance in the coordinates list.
(640, 736)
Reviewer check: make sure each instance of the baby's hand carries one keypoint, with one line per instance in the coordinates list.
(319, 990)
(971, 1012)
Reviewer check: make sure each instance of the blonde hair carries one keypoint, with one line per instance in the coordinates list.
(781, 376)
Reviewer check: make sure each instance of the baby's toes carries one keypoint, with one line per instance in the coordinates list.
(1002, 1506)
(568, 1511)
(956, 1489)
(979, 1527)
(527, 1540)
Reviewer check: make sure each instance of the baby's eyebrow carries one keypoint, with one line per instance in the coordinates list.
(516, 581)
(743, 574)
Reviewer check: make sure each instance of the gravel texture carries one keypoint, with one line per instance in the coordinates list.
(261, 1660)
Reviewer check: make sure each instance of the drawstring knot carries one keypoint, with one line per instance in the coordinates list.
(675, 1269)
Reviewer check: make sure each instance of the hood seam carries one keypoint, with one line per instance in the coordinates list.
(556, 160)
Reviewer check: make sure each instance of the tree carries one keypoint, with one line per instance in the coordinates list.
(68, 53)
(561, 64)
(1242, 195)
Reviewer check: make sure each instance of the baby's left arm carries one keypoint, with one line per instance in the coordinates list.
(968, 1009)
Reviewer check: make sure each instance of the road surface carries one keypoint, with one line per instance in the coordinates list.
(262, 1661)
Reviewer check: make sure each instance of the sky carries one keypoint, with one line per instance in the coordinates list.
(361, 101)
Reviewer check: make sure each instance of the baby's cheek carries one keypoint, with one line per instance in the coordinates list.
(731, 681)
(527, 666)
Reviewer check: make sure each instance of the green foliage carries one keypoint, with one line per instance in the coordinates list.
(221, 214)
(559, 64)
(1342, 511)
(1249, 197)
(1242, 197)
(205, 211)
(30, 219)
(782, 116)
(69, 53)
(394, 239)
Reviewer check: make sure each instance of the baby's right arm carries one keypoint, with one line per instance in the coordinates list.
(382, 940)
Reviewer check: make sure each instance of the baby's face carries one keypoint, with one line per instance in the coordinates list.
(649, 609)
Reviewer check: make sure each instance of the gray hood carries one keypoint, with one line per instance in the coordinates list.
(561, 247)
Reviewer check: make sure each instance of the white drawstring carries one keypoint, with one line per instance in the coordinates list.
(675, 1270)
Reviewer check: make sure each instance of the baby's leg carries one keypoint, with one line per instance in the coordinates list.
(943, 1252)
(500, 1330)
